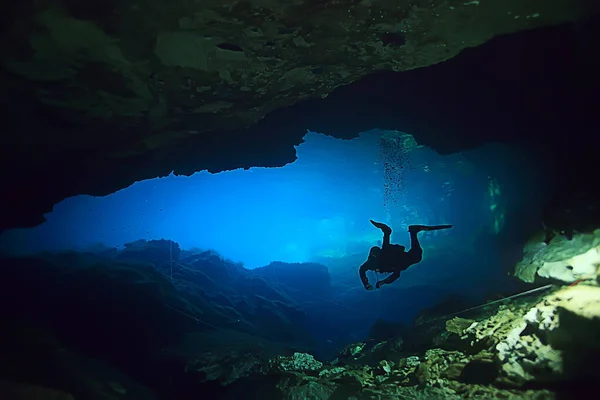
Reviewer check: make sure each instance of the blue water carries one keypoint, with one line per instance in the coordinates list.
(126, 304)
(316, 207)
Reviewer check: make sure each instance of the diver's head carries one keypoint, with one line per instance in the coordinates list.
(375, 251)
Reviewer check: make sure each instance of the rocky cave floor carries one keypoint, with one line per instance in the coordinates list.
(132, 324)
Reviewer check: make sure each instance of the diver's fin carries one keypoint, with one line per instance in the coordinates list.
(381, 226)
(419, 228)
(437, 227)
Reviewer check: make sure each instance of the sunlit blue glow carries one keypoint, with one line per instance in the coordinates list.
(318, 206)
(313, 206)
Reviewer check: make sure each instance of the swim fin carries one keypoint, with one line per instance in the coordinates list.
(381, 226)
(437, 227)
(419, 228)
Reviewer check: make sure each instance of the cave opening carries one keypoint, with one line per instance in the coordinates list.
(499, 141)
(317, 209)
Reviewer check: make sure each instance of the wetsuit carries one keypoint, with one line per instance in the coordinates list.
(393, 257)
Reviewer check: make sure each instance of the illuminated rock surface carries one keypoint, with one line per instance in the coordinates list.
(561, 259)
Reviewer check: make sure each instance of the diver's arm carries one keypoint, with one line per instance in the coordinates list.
(362, 272)
(395, 275)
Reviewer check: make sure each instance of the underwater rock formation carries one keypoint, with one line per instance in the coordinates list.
(561, 259)
(220, 67)
(523, 350)
(190, 294)
(209, 328)
(438, 374)
(544, 343)
(177, 319)
(115, 92)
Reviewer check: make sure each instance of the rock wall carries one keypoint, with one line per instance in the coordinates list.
(102, 96)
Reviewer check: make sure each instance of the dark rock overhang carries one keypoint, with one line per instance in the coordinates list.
(65, 139)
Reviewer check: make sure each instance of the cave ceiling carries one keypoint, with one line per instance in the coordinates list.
(99, 94)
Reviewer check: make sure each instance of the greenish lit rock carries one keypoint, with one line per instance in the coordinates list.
(485, 334)
(331, 372)
(458, 325)
(353, 350)
(386, 366)
(361, 376)
(412, 361)
(297, 362)
(436, 364)
(404, 373)
(357, 349)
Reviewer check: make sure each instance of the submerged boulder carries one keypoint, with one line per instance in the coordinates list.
(561, 259)
(299, 362)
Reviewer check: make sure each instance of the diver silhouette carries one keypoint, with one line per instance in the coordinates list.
(392, 257)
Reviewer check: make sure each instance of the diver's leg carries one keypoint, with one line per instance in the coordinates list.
(416, 252)
(387, 232)
(386, 239)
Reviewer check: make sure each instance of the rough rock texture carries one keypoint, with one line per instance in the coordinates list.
(301, 362)
(188, 68)
(533, 347)
(569, 321)
(458, 325)
(439, 374)
(561, 259)
(541, 342)
(553, 341)
(103, 94)
(193, 326)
